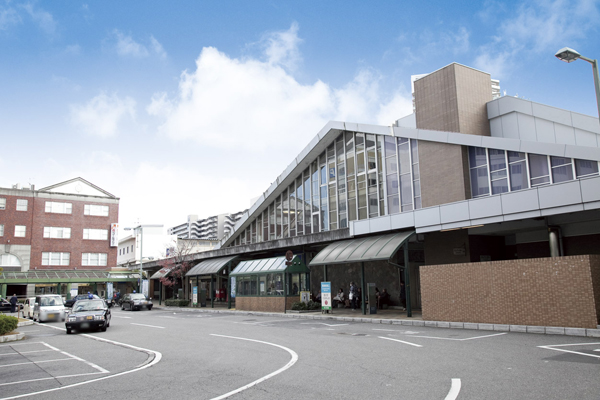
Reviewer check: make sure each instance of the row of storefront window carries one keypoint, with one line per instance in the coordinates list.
(272, 284)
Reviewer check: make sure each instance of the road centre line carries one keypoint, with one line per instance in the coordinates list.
(401, 341)
(322, 323)
(264, 378)
(552, 347)
(157, 356)
(385, 330)
(460, 340)
(454, 389)
(150, 326)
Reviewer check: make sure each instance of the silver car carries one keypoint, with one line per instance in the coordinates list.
(48, 307)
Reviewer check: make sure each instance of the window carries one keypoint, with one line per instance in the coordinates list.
(21, 205)
(562, 169)
(518, 171)
(539, 170)
(1, 230)
(8, 260)
(480, 185)
(95, 234)
(582, 167)
(93, 259)
(20, 230)
(53, 258)
(92, 209)
(57, 233)
(2, 203)
(58, 208)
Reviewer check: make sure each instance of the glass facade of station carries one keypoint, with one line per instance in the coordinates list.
(359, 176)
(498, 171)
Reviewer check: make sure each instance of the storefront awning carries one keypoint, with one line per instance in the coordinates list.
(270, 265)
(373, 248)
(209, 267)
(161, 273)
(64, 276)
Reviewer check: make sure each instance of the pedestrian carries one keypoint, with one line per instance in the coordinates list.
(353, 295)
(90, 296)
(403, 295)
(13, 303)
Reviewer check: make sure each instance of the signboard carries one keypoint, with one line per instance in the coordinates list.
(145, 287)
(109, 290)
(233, 287)
(326, 296)
(304, 297)
(195, 296)
(114, 235)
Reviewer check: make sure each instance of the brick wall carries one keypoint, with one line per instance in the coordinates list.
(561, 291)
(267, 304)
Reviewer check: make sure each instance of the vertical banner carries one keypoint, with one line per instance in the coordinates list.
(145, 287)
(114, 235)
(326, 296)
(233, 287)
(109, 291)
(195, 296)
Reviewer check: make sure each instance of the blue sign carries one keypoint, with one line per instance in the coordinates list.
(325, 295)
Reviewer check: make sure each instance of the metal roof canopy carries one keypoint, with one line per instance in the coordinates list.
(373, 248)
(65, 276)
(209, 267)
(270, 265)
(161, 273)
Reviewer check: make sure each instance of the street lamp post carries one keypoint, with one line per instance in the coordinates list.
(569, 55)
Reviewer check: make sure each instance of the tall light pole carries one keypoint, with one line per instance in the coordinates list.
(141, 229)
(569, 55)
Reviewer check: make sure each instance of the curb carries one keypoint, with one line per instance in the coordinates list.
(12, 338)
(544, 330)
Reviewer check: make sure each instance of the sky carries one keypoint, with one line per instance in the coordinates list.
(195, 107)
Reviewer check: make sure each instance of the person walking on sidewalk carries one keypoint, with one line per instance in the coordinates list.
(13, 303)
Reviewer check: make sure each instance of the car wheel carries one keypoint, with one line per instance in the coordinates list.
(69, 331)
(108, 323)
(103, 329)
(149, 308)
(122, 307)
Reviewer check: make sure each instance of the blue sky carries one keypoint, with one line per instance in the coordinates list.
(192, 107)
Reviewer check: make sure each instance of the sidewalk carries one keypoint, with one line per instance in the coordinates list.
(396, 317)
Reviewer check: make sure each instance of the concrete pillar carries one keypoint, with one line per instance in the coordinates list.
(553, 240)
(3, 290)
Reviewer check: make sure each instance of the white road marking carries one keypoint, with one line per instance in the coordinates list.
(264, 322)
(385, 330)
(37, 362)
(50, 378)
(167, 316)
(401, 341)
(552, 347)
(322, 323)
(454, 389)
(77, 358)
(264, 378)
(150, 326)
(119, 316)
(461, 340)
(157, 356)
(23, 352)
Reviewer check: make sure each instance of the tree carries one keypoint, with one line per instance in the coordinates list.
(178, 262)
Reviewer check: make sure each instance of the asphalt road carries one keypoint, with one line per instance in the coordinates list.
(162, 354)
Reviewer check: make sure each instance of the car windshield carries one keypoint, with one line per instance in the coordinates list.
(50, 301)
(138, 296)
(89, 305)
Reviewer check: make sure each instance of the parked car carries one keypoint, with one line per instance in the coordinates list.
(135, 301)
(28, 307)
(88, 314)
(69, 303)
(48, 307)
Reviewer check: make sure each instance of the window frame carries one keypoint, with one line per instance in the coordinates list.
(20, 206)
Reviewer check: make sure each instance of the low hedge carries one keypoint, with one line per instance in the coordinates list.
(311, 305)
(177, 303)
(8, 323)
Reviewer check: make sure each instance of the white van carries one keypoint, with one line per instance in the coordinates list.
(48, 307)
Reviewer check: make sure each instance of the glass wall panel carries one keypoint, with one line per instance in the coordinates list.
(498, 171)
(539, 170)
(394, 204)
(562, 169)
(477, 157)
(360, 162)
(292, 209)
(285, 214)
(414, 148)
(316, 201)
(362, 196)
(517, 170)
(586, 168)
(307, 205)
(479, 182)
(324, 209)
(380, 174)
(299, 207)
(253, 229)
(332, 208)
(265, 221)
(278, 231)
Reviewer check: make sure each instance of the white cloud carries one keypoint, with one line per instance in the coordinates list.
(281, 48)
(157, 47)
(102, 114)
(126, 46)
(537, 27)
(42, 18)
(8, 18)
(257, 105)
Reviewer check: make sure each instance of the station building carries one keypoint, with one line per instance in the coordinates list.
(485, 210)
(59, 239)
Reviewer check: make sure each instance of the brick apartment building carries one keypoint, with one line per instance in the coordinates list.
(57, 239)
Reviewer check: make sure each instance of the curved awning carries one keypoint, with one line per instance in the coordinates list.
(161, 273)
(270, 265)
(212, 266)
(373, 248)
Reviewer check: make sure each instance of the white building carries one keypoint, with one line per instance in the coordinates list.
(149, 239)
